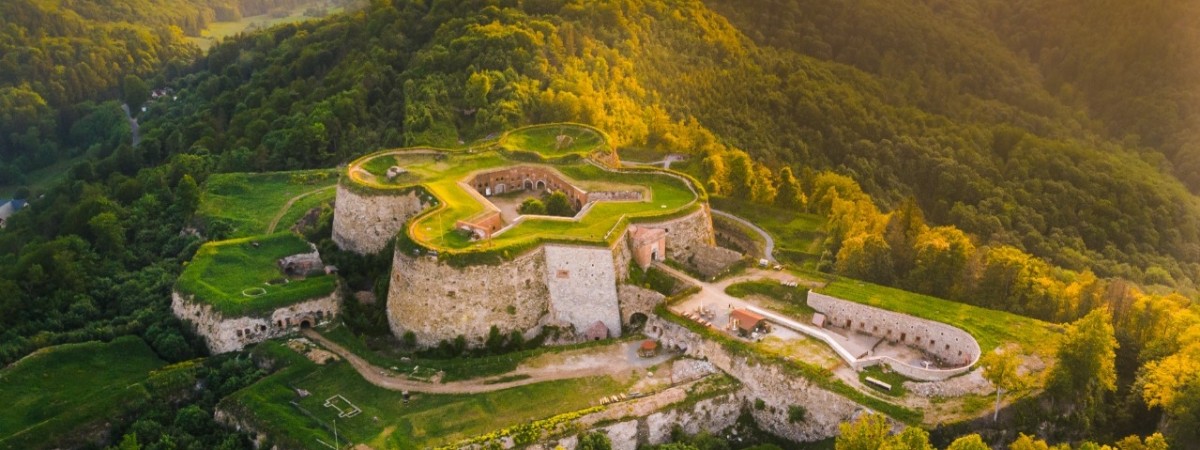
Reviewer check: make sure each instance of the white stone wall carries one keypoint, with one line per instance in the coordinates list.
(363, 224)
(227, 334)
(777, 389)
(952, 345)
(438, 302)
(583, 286)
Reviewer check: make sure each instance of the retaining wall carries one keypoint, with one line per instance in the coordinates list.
(686, 234)
(227, 334)
(952, 345)
(583, 286)
(365, 223)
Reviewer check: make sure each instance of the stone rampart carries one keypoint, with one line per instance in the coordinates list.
(438, 302)
(636, 299)
(777, 388)
(227, 334)
(583, 286)
(687, 233)
(365, 223)
(956, 349)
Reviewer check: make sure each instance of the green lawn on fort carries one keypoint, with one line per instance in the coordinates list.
(55, 391)
(240, 276)
(990, 328)
(249, 202)
(386, 421)
(668, 197)
(543, 140)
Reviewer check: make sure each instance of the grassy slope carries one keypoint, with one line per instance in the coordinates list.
(249, 201)
(797, 235)
(543, 139)
(51, 393)
(427, 420)
(220, 271)
(991, 328)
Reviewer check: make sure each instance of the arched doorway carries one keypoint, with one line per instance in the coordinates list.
(528, 185)
(305, 324)
(541, 185)
(637, 320)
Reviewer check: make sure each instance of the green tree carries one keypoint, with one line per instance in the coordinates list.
(108, 233)
(904, 227)
(866, 257)
(789, 194)
(135, 93)
(940, 264)
(1001, 368)
(532, 206)
(187, 195)
(129, 442)
(557, 204)
(716, 174)
(763, 187)
(594, 441)
(741, 175)
(869, 432)
(1085, 365)
(968, 442)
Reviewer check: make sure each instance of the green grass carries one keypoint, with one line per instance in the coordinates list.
(892, 378)
(425, 421)
(543, 140)
(221, 271)
(53, 392)
(798, 235)
(668, 197)
(456, 369)
(249, 201)
(989, 327)
(217, 31)
(794, 299)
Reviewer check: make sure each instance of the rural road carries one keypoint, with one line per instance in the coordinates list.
(133, 124)
(612, 362)
(288, 205)
(768, 247)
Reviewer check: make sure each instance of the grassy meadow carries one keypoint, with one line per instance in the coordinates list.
(52, 393)
(222, 271)
(543, 140)
(248, 202)
(386, 420)
(798, 235)
(990, 327)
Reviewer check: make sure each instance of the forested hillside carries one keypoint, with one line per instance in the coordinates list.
(997, 153)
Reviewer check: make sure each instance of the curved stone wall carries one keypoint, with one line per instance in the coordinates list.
(686, 234)
(438, 302)
(227, 334)
(365, 223)
(955, 347)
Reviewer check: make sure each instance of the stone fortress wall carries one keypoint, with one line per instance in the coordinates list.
(227, 334)
(956, 349)
(553, 284)
(364, 223)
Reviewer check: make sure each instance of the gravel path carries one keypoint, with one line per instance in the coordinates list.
(768, 248)
(613, 361)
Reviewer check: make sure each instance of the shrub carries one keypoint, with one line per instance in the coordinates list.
(796, 413)
(532, 206)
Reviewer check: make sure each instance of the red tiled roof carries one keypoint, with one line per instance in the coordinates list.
(746, 320)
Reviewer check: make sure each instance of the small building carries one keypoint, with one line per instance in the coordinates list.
(648, 349)
(395, 171)
(8, 208)
(302, 264)
(746, 321)
(649, 245)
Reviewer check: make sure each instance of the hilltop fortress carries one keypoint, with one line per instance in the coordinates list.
(466, 260)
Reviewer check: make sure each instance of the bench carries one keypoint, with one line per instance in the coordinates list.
(881, 384)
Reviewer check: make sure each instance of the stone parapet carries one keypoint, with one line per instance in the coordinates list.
(227, 334)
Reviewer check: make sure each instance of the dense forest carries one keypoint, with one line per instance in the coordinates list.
(1029, 156)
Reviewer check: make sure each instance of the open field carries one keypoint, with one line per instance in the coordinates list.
(236, 277)
(51, 393)
(543, 140)
(668, 197)
(248, 201)
(217, 31)
(990, 327)
(386, 421)
(798, 235)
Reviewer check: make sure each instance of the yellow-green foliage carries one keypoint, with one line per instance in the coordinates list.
(221, 272)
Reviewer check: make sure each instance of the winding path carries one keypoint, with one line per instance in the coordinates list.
(768, 247)
(287, 206)
(583, 367)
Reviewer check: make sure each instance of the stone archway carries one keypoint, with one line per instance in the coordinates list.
(541, 185)
(500, 188)
(305, 324)
(528, 185)
(637, 320)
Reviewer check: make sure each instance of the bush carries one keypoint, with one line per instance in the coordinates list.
(532, 206)
(796, 413)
